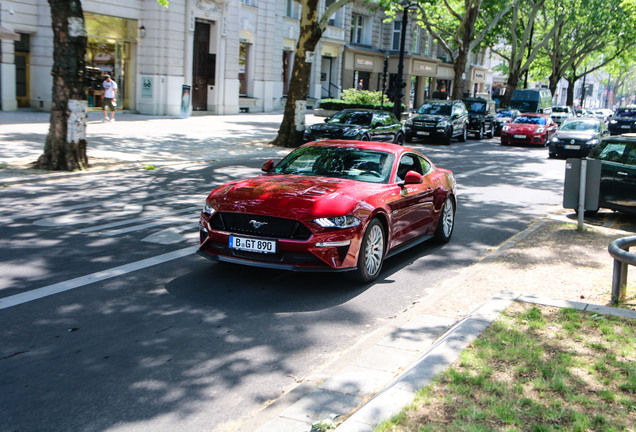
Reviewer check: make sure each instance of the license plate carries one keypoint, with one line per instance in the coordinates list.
(572, 147)
(519, 136)
(423, 133)
(625, 126)
(253, 245)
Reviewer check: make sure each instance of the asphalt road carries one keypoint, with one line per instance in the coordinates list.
(110, 322)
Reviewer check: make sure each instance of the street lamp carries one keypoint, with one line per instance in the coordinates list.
(386, 69)
(398, 91)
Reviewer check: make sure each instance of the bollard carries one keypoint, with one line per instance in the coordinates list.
(619, 250)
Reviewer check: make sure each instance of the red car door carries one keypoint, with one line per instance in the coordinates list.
(412, 209)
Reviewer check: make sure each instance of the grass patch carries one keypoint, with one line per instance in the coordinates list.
(536, 368)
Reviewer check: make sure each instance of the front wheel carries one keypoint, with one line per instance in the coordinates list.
(399, 139)
(464, 135)
(371, 254)
(446, 222)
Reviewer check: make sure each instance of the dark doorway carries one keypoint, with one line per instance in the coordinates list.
(200, 66)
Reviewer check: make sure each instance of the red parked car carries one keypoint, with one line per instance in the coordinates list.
(330, 205)
(534, 129)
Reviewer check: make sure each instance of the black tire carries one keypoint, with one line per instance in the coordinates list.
(552, 155)
(408, 138)
(446, 221)
(364, 137)
(448, 137)
(399, 139)
(371, 255)
(480, 134)
(464, 135)
(491, 132)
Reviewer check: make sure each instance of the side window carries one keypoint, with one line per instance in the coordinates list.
(408, 163)
(630, 158)
(381, 119)
(426, 166)
(613, 152)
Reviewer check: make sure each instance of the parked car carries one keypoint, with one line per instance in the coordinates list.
(577, 136)
(331, 205)
(618, 172)
(623, 120)
(438, 120)
(603, 114)
(481, 116)
(529, 129)
(580, 112)
(537, 101)
(358, 124)
(504, 116)
(560, 113)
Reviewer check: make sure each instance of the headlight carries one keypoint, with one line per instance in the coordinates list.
(592, 142)
(539, 130)
(442, 124)
(506, 128)
(207, 208)
(338, 222)
(308, 131)
(613, 122)
(555, 139)
(409, 122)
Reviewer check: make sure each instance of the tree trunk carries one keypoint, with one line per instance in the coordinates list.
(570, 98)
(463, 52)
(292, 128)
(65, 147)
(511, 86)
(459, 81)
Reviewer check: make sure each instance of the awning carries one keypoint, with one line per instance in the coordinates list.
(8, 34)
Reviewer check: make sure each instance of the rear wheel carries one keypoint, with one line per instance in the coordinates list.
(491, 132)
(480, 134)
(446, 222)
(464, 135)
(371, 255)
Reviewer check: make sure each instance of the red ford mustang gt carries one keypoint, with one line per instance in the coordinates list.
(330, 206)
(529, 129)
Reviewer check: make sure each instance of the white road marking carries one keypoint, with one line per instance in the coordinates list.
(169, 219)
(79, 282)
(475, 171)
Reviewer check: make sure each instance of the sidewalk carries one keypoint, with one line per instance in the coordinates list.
(549, 263)
(134, 141)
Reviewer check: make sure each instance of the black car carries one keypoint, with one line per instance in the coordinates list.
(358, 124)
(438, 120)
(577, 136)
(618, 172)
(503, 116)
(481, 117)
(623, 120)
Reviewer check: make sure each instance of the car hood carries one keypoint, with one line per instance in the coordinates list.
(293, 196)
(503, 119)
(577, 135)
(430, 117)
(523, 128)
(333, 127)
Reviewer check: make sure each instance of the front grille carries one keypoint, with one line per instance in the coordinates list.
(424, 124)
(260, 226)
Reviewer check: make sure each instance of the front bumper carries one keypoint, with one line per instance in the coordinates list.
(295, 255)
(531, 139)
(621, 128)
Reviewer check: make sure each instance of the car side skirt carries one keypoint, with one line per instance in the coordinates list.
(408, 245)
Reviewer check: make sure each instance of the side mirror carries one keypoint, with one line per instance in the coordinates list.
(327, 119)
(267, 166)
(413, 177)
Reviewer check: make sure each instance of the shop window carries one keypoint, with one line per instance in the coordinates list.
(108, 52)
(244, 50)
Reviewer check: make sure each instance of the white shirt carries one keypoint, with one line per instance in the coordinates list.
(109, 89)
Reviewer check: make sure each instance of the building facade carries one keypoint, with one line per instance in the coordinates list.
(217, 56)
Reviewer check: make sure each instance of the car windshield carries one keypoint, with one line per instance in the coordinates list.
(560, 109)
(525, 106)
(581, 126)
(626, 113)
(339, 162)
(360, 118)
(505, 114)
(476, 107)
(435, 109)
(530, 120)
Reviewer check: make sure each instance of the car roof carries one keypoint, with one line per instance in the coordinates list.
(367, 110)
(627, 138)
(534, 115)
(588, 119)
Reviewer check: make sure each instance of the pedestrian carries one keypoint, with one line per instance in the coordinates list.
(110, 98)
